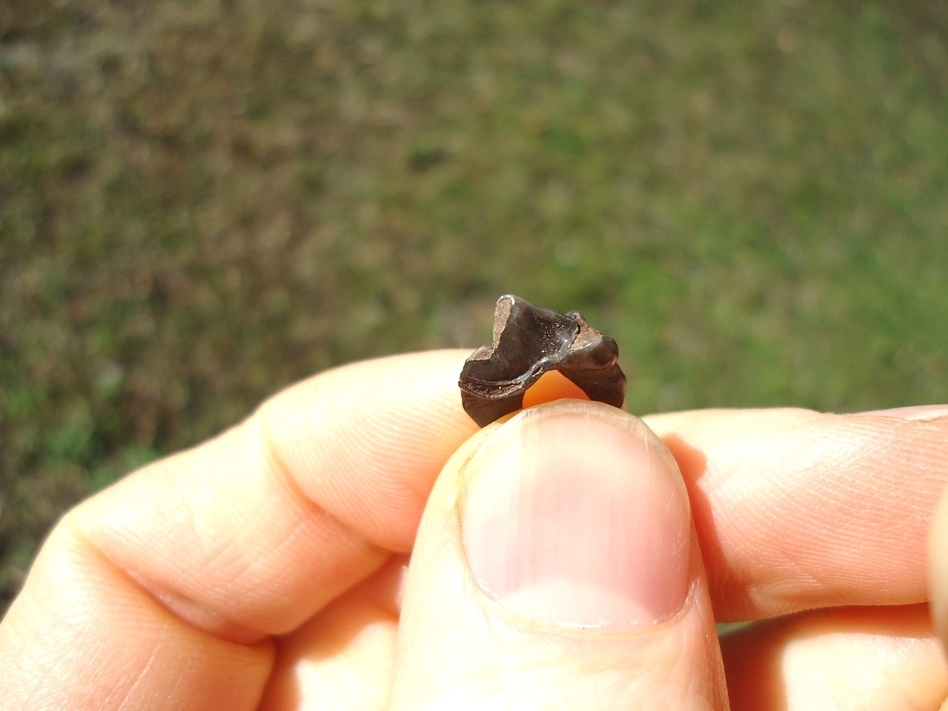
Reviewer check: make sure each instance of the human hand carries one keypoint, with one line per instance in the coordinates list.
(263, 569)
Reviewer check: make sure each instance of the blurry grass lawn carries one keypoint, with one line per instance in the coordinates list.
(203, 201)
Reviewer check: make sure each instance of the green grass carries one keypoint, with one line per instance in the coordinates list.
(203, 201)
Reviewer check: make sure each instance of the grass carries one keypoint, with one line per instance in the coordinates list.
(203, 201)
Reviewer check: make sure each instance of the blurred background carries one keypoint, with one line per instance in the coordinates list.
(202, 201)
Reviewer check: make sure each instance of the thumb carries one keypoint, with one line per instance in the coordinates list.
(556, 567)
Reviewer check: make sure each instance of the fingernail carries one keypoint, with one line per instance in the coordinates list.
(575, 514)
(917, 412)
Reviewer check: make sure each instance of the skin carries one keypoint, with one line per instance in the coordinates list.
(267, 568)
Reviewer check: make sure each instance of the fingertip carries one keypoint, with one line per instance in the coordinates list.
(577, 515)
(552, 385)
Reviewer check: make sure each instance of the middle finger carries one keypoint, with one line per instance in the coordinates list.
(796, 509)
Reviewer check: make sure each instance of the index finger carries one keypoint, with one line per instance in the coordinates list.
(165, 587)
(264, 525)
(796, 509)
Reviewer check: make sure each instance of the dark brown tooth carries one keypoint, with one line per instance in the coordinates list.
(529, 341)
